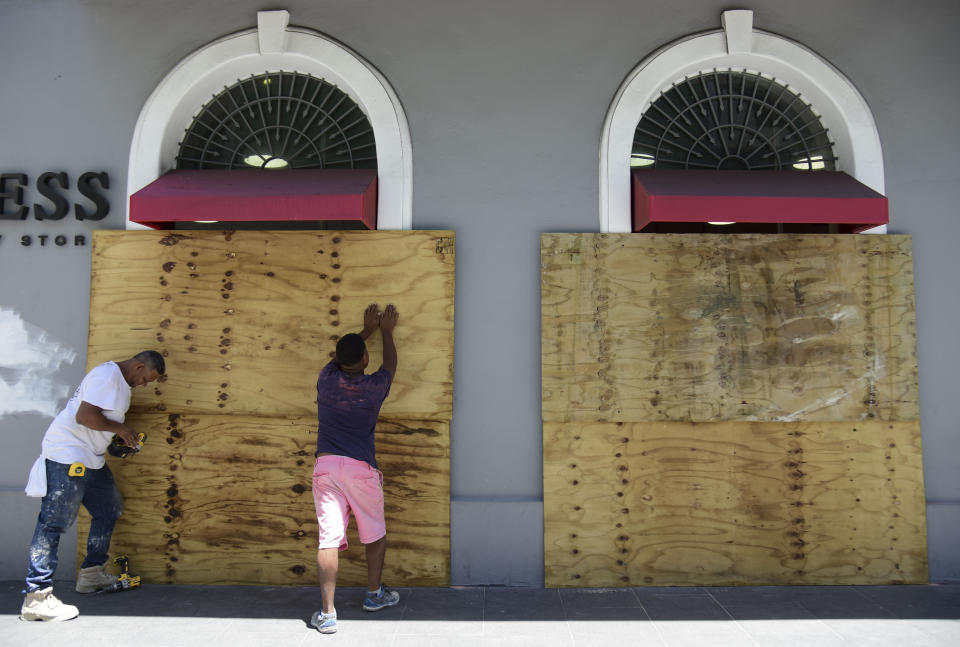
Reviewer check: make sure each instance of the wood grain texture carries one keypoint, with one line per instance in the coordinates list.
(226, 499)
(741, 327)
(246, 319)
(724, 410)
(733, 503)
(222, 492)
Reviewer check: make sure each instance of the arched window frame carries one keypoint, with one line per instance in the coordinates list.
(272, 47)
(841, 107)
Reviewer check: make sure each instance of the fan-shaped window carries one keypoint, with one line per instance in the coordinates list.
(279, 120)
(731, 120)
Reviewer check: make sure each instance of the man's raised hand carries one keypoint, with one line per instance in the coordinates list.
(388, 320)
(371, 320)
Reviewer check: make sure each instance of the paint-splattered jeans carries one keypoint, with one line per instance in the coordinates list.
(58, 511)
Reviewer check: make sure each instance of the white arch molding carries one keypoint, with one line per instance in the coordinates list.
(273, 47)
(842, 109)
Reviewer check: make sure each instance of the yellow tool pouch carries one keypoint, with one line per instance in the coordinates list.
(77, 469)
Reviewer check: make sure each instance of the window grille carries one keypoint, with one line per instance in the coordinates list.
(279, 120)
(729, 119)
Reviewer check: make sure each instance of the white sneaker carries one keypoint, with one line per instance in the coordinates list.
(94, 578)
(44, 605)
(326, 623)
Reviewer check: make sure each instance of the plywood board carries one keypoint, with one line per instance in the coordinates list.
(630, 504)
(742, 327)
(226, 499)
(246, 319)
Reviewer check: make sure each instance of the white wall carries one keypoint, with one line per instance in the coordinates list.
(505, 102)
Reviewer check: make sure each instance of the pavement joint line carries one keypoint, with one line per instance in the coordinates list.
(730, 616)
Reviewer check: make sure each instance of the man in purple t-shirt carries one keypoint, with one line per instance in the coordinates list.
(345, 475)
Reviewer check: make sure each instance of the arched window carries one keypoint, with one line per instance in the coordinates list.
(280, 120)
(268, 62)
(685, 106)
(731, 120)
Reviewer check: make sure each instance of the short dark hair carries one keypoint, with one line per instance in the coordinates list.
(350, 349)
(153, 359)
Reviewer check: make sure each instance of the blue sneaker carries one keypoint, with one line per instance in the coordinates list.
(326, 623)
(380, 599)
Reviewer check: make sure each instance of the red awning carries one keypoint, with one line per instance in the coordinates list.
(257, 195)
(686, 196)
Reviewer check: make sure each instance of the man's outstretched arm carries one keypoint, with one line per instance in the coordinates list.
(388, 321)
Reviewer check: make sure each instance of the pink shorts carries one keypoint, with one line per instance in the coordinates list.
(342, 485)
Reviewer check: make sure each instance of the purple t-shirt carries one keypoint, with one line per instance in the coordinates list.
(347, 410)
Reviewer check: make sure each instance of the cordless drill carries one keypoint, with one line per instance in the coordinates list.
(119, 449)
(125, 581)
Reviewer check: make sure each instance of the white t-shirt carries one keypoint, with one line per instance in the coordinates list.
(66, 440)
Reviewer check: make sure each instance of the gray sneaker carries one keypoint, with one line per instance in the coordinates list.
(94, 578)
(43, 605)
(380, 600)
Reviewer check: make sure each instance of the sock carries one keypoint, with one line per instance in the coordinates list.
(377, 591)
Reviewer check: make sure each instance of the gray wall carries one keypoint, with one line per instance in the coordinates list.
(505, 101)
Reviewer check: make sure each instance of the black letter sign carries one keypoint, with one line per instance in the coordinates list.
(85, 185)
(15, 194)
(60, 204)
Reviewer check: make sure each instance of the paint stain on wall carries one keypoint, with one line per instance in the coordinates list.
(29, 360)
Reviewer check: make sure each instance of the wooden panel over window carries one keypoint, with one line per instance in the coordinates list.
(226, 499)
(734, 503)
(748, 327)
(724, 410)
(261, 311)
(221, 492)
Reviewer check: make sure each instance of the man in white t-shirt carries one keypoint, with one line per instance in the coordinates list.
(79, 436)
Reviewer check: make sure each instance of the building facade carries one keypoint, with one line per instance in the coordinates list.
(499, 120)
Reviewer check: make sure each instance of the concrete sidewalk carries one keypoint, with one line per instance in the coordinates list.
(209, 616)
